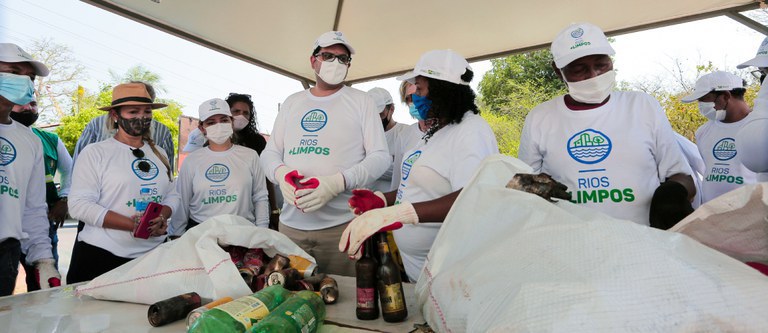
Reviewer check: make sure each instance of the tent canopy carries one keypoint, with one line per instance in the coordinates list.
(389, 36)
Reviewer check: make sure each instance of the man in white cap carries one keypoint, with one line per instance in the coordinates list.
(721, 100)
(752, 139)
(615, 150)
(398, 136)
(22, 177)
(326, 141)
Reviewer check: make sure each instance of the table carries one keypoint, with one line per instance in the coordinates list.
(58, 310)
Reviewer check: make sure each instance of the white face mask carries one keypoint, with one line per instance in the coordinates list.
(594, 90)
(219, 133)
(333, 72)
(707, 109)
(240, 122)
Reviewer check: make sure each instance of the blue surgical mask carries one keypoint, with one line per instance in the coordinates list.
(414, 111)
(18, 89)
(422, 104)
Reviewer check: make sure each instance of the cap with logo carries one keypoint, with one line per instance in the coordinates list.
(715, 81)
(213, 107)
(131, 94)
(381, 97)
(10, 52)
(760, 59)
(331, 38)
(444, 65)
(579, 40)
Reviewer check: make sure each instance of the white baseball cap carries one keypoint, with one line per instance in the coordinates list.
(213, 107)
(333, 37)
(444, 65)
(760, 59)
(579, 40)
(715, 81)
(195, 141)
(381, 96)
(10, 52)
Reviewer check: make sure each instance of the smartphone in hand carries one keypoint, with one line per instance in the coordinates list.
(153, 211)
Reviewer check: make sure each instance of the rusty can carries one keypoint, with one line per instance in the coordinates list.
(254, 259)
(247, 274)
(259, 282)
(278, 262)
(305, 267)
(286, 277)
(194, 314)
(329, 290)
(174, 308)
(304, 285)
(236, 253)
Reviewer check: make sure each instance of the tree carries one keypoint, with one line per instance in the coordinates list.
(138, 73)
(54, 90)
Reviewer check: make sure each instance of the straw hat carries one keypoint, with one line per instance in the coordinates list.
(131, 94)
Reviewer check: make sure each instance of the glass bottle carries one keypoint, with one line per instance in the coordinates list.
(367, 295)
(240, 314)
(390, 285)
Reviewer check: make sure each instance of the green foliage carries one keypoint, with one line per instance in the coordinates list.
(507, 131)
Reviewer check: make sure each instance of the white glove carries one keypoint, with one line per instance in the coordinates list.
(363, 200)
(371, 222)
(315, 192)
(286, 178)
(46, 274)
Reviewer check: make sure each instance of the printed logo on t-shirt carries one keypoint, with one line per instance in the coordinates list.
(217, 173)
(589, 146)
(7, 152)
(408, 163)
(314, 120)
(725, 149)
(148, 175)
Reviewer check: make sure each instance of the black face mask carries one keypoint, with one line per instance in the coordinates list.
(385, 122)
(135, 126)
(26, 118)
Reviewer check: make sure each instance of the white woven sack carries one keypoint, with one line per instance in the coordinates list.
(194, 262)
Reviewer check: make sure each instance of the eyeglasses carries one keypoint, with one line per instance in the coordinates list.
(343, 58)
(139, 154)
(238, 94)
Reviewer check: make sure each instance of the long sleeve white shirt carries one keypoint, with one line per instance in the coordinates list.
(213, 183)
(321, 136)
(23, 210)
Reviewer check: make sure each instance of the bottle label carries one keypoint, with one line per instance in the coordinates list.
(392, 298)
(246, 310)
(366, 298)
(303, 317)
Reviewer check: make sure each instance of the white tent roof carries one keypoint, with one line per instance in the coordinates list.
(389, 36)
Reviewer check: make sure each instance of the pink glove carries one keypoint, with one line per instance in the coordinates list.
(315, 192)
(363, 200)
(371, 222)
(46, 274)
(287, 180)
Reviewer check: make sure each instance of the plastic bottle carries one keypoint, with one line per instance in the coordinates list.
(302, 313)
(240, 314)
(365, 278)
(390, 286)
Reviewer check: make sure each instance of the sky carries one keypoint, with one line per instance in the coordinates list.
(103, 41)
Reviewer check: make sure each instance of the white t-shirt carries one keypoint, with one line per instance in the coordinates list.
(612, 158)
(23, 211)
(213, 183)
(691, 153)
(322, 136)
(441, 166)
(397, 136)
(724, 172)
(107, 178)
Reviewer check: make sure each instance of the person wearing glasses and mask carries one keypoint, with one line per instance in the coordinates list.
(326, 141)
(721, 100)
(220, 178)
(614, 150)
(113, 182)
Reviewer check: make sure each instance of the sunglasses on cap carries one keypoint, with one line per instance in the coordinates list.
(139, 154)
(238, 94)
(326, 56)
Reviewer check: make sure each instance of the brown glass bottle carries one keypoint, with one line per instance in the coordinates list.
(390, 286)
(367, 295)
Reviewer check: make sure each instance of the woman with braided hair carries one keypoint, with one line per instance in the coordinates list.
(113, 182)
